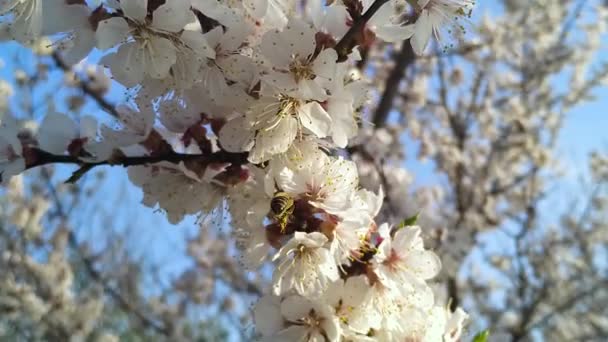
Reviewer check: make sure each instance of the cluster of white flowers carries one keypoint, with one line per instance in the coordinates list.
(247, 102)
(35, 294)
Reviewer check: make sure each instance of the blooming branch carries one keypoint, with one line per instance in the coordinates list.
(254, 94)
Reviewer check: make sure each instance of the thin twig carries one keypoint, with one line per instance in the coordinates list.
(86, 87)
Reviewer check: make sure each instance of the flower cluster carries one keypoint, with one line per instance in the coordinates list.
(39, 295)
(246, 103)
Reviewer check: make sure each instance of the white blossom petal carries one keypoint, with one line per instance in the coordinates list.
(315, 119)
(135, 9)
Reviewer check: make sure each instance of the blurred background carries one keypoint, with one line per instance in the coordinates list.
(496, 138)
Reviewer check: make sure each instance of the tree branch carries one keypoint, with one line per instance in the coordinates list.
(565, 305)
(43, 158)
(346, 44)
(403, 59)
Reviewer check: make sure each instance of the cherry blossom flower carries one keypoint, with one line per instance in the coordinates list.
(272, 125)
(326, 183)
(348, 95)
(349, 234)
(132, 127)
(149, 48)
(249, 204)
(435, 14)
(226, 64)
(168, 194)
(345, 296)
(402, 259)
(304, 320)
(295, 70)
(304, 265)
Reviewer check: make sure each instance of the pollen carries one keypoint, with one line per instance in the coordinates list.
(301, 70)
(288, 106)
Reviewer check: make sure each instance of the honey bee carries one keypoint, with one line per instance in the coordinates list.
(282, 206)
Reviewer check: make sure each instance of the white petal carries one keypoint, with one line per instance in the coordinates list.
(139, 122)
(394, 33)
(382, 15)
(197, 42)
(240, 69)
(235, 36)
(214, 36)
(7, 5)
(267, 315)
(127, 64)
(111, 32)
(422, 34)
(314, 10)
(160, 56)
(88, 127)
(286, 180)
(294, 308)
(274, 141)
(324, 65)
(83, 43)
(135, 9)
(331, 327)
(73, 17)
(300, 38)
(216, 10)
(423, 264)
(276, 49)
(56, 132)
(235, 136)
(315, 119)
(277, 11)
(119, 138)
(284, 82)
(336, 20)
(172, 16)
(257, 8)
(405, 238)
(355, 290)
(293, 333)
(28, 24)
(310, 90)
(114, 4)
(257, 251)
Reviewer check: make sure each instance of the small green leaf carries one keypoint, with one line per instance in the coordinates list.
(410, 221)
(482, 336)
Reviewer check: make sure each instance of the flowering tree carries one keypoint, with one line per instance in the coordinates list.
(263, 107)
(552, 275)
(487, 114)
(245, 103)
